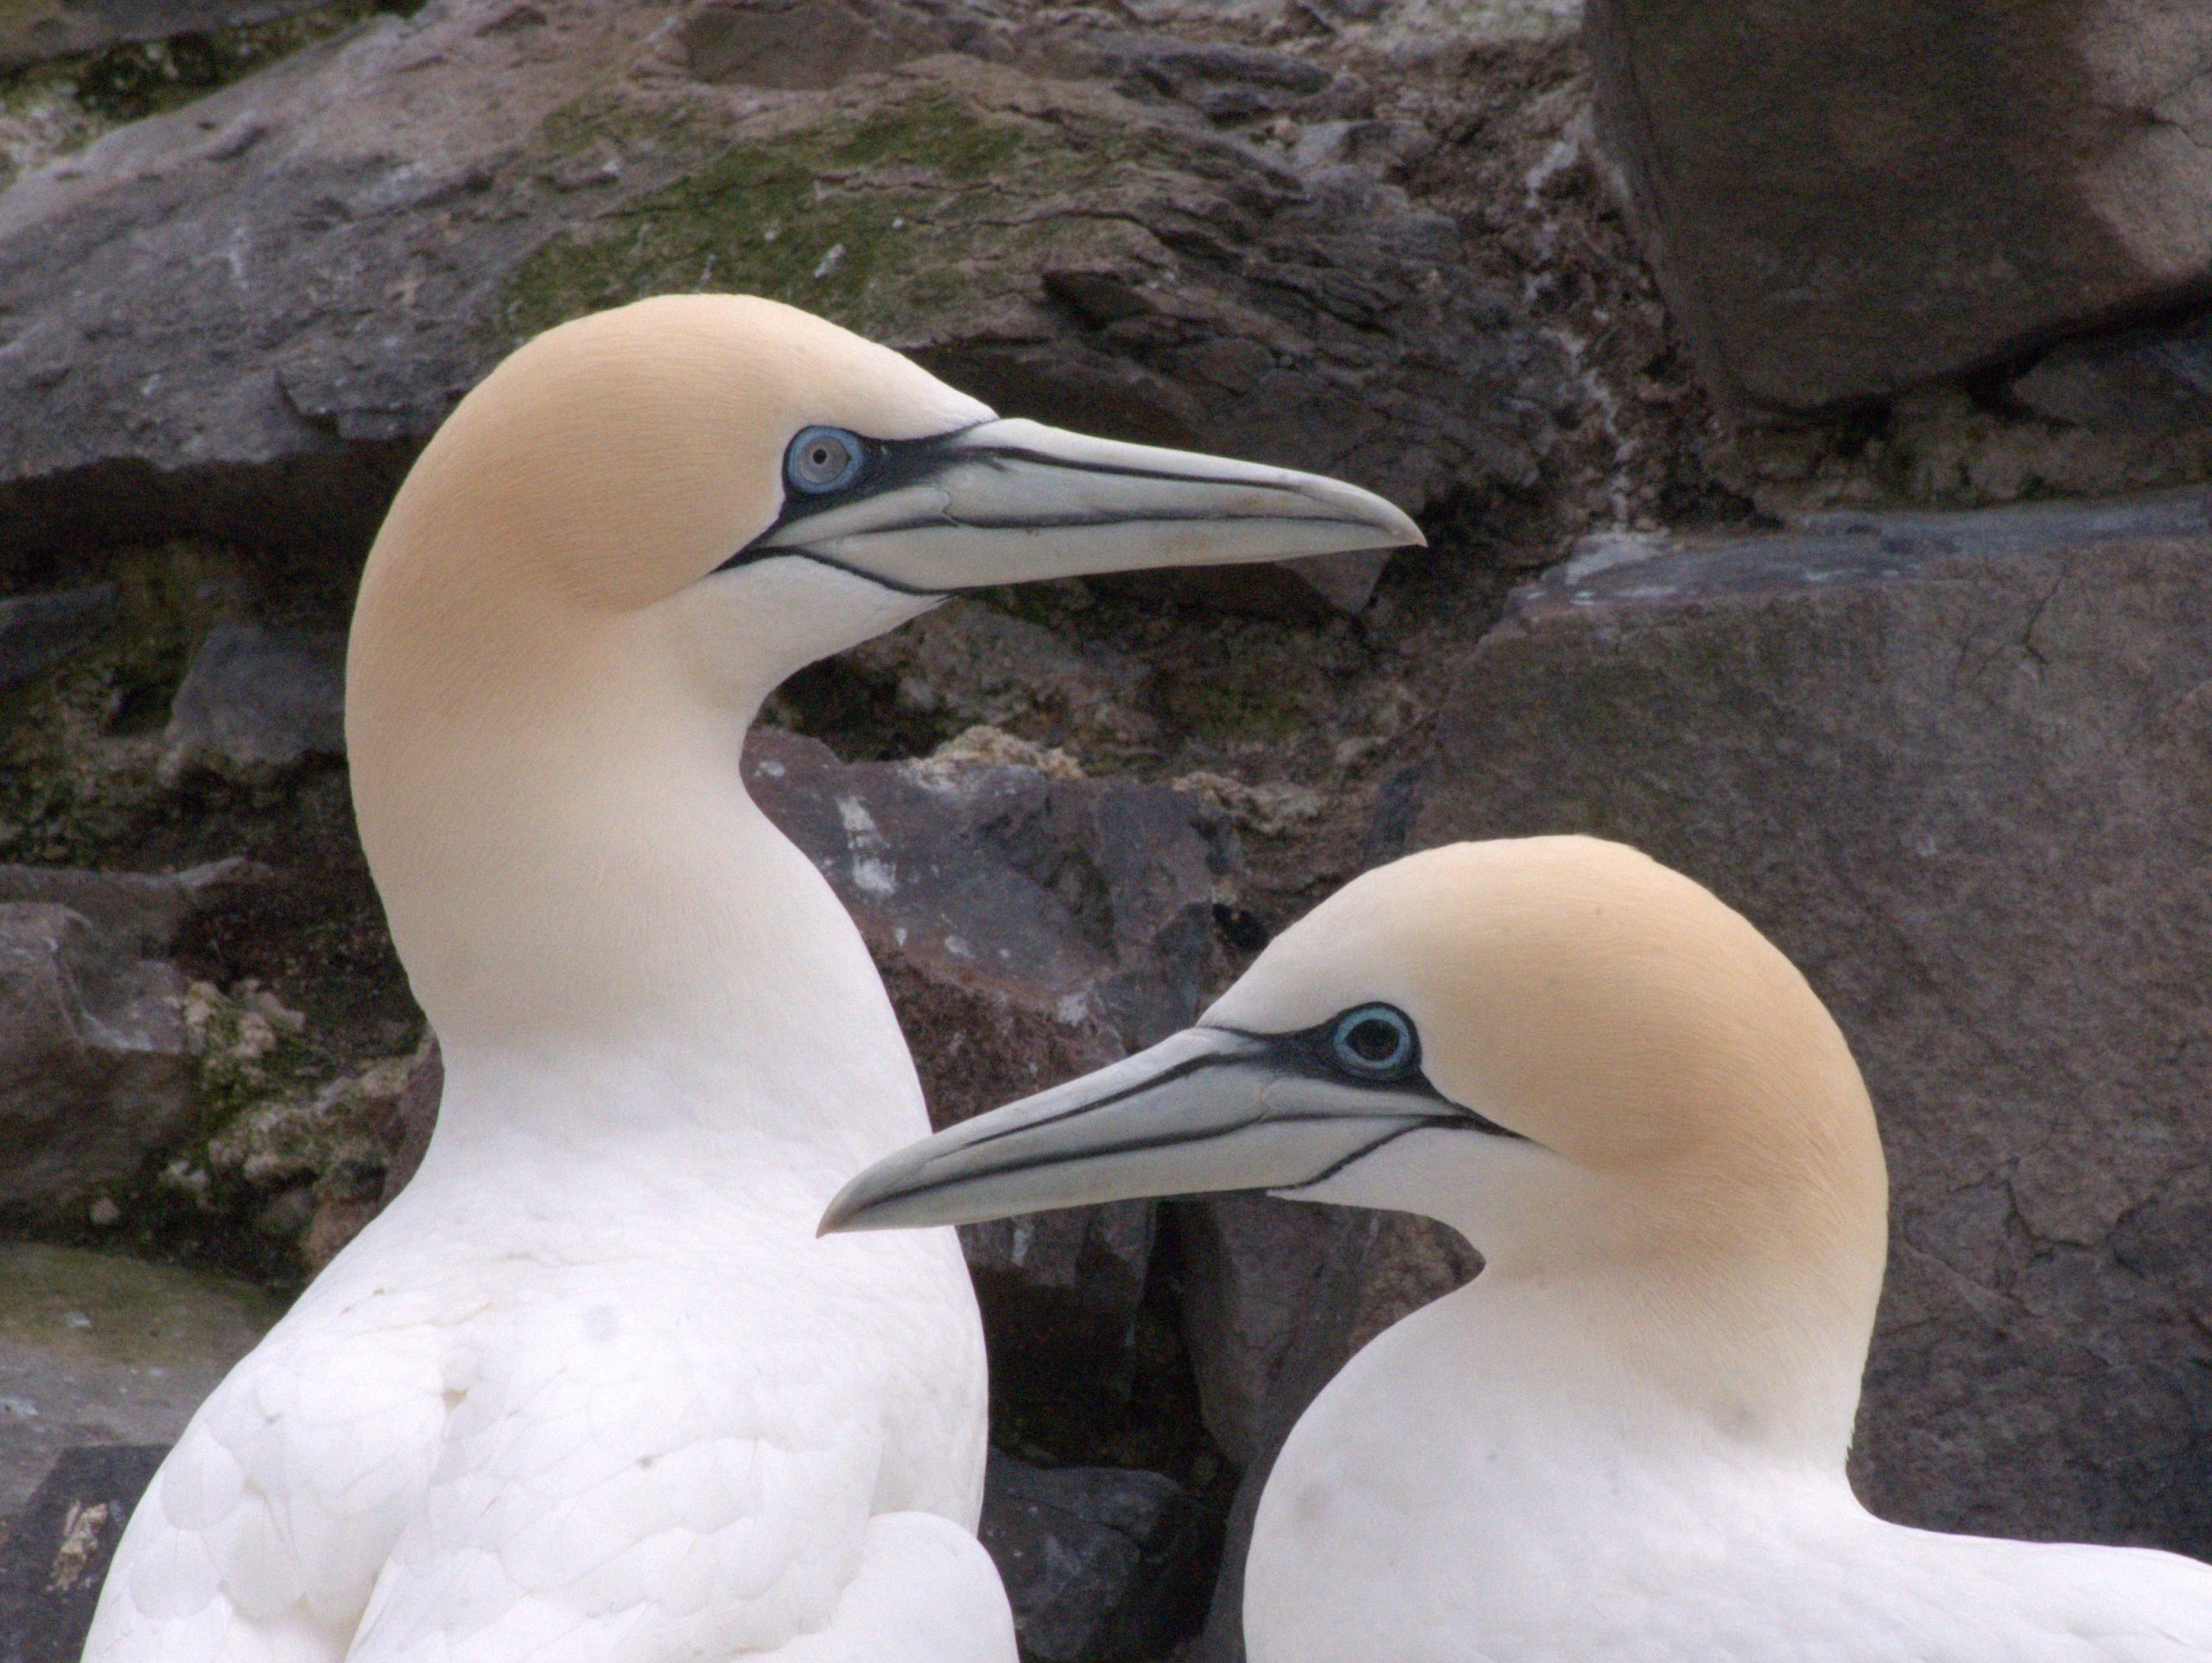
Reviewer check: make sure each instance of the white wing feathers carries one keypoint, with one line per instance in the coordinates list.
(598, 1482)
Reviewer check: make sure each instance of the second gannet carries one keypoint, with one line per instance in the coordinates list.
(1625, 1439)
(591, 1389)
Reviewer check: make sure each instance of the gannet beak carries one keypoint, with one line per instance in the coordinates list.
(1206, 1110)
(1014, 501)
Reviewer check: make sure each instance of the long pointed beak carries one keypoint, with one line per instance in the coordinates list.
(1012, 501)
(1205, 1110)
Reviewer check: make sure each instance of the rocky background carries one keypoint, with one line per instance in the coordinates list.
(1807, 410)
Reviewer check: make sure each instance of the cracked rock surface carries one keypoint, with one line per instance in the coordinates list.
(1955, 765)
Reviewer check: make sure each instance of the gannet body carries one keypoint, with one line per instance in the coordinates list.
(591, 1388)
(1625, 1439)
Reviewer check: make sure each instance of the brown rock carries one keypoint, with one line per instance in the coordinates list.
(1844, 198)
(1956, 766)
(95, 1063)
(1029, 929)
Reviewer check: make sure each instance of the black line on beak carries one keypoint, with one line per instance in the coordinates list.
(897, 463)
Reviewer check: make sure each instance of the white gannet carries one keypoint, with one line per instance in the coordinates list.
(1625, 1439)
(591, 1388)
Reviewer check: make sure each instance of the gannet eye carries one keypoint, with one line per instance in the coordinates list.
(823, 460)
(1374, 1042)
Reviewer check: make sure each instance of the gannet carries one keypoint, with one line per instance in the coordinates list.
(591, 1388)
(1625, 1439)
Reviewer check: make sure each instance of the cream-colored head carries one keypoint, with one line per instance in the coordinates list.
(1604, 1078)
(619, 544)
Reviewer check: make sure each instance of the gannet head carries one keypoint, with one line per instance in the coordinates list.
(1589, 1065)
(626, 535)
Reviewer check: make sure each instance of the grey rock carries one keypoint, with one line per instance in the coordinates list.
(99, 1349)
(258, 700)
(55, 1558)
(1956, 766)
(143, 909)
(1255, 1272)
(34, 31)
(1101, 1564)
(95, 1062)
(37, 632)
(1029, 929)
(2137, 381)
(241, 317)
(1845, 198)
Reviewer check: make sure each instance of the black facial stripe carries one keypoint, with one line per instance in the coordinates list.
(1188, 1066)
(835, 565)
(1306, 1053)
(897, 463)
(1447, 1122)
(1176, 1139)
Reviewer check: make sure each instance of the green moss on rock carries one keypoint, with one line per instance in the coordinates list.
(871, 221)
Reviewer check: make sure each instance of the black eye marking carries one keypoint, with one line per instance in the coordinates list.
(823, 460)
(1374, 1045)
(1374, 1042)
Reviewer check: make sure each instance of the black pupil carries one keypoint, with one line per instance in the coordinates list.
(1374, 1040)
(823, 456)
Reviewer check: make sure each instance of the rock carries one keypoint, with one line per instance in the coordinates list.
(1956, 766)
(2153, 381)
(1029, 929)
(258, 700)
(99, 1349)
(55, 1558)
(303, 1158)
(1101, 1564)
(37, 632)
(1845, 199)
(38, 30)
(1254, 1268)
(96, 1069)
(979, 666)
(145, 910)
(241, 317)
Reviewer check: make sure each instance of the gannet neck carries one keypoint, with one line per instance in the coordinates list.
(1681, 1315)
(582, 892)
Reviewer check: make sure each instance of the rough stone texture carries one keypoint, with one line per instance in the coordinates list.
(290, 282)
(54, 1560)
(978, 665)
(97, 1069)
(96, 1350)
(2154, 382)
(1844, 198)
(144, 908)
(1029, 929)
(95, 1062)
(257, 699)
(33, 30)
(1956, 766)
(37, 632)
(1101, 1564)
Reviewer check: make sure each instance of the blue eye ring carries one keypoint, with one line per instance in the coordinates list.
(823, 460)
(1374, 1042)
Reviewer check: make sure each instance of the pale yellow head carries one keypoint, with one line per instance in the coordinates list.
(619, 543)
(1602, 1075)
